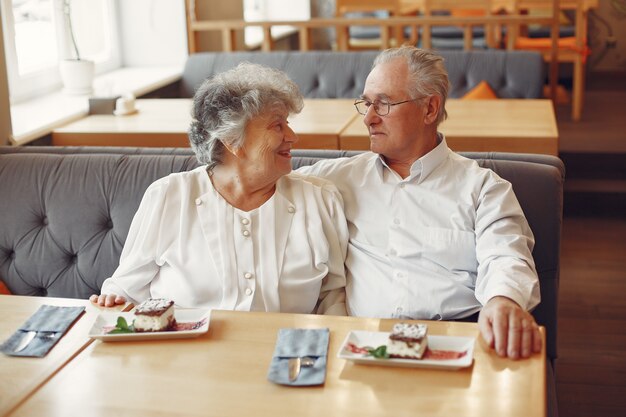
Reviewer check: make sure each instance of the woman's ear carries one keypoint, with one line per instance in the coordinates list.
(232, 150)
(433, 107)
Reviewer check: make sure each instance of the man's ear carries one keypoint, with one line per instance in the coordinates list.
(433, 107)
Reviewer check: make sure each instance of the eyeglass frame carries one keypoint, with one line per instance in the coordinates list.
(389, 105)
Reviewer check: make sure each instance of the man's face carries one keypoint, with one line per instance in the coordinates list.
(396, 134)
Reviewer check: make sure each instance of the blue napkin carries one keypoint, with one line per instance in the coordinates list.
(293, 343)
(50, 323)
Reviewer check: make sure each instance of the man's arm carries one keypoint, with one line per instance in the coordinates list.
(507, 284)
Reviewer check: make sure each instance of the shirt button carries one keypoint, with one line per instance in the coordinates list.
(248, 291)
(392, 252)
(245, 233)
(247, 275)
(399, 275)
(402, 185)
(245, 221)
(198, 202)
(396, 221)
(291, 209)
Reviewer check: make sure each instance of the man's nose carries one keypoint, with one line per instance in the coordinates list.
(371, 116)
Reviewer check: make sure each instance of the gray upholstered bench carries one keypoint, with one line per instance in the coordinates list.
(325, 74)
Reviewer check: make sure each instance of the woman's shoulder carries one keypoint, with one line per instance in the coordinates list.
(181, 177)
(178, 180)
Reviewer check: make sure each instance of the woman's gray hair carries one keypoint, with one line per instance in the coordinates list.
(427, 73)
(225, 103)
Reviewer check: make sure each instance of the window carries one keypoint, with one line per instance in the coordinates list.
(257, 10)
(37, 37)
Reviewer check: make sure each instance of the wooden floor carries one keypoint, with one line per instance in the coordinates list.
(591, 369)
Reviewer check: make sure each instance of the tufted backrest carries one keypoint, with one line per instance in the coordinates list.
(65, 213)
(325, 74)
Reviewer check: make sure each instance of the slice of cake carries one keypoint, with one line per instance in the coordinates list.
(407, 341)
(154, 315)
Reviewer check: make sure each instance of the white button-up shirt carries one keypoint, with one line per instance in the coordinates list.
(435, 245)
(186, 243)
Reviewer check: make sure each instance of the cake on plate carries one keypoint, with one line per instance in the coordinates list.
(154, 315)
(407, 341)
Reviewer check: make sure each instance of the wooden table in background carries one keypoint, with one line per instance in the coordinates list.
(164, 123)
(224, 373)
(20, 376)
(524, 125)
(505, 125)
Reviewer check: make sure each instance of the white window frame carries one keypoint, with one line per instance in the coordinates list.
(22, 88)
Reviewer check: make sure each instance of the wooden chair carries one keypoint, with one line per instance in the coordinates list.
(570, 49)
(373, 7)
(465, 8)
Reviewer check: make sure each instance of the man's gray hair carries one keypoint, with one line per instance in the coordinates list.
(427, 73)
(225, 103)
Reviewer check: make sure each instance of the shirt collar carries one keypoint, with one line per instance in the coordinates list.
(424, 165)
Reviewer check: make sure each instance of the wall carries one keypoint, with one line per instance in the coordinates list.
(609, 17)
(5, 114)
(216, 10)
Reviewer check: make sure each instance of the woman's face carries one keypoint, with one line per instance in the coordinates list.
(267, 144)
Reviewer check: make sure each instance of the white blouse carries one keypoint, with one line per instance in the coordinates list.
(186, 243)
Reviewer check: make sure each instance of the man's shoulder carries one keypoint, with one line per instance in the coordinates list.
(332, 167)
(471, 170)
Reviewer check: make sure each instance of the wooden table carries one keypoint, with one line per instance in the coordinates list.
(20, 376)
(473, 125)
(224, 373)
(164, 123)
(524, 125)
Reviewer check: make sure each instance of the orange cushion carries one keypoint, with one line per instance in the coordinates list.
(3, 289)
(545, 44)
(482, 91)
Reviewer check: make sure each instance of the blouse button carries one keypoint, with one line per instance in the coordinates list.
(291, 209)
(247, 275)
(248, 291)
(396, 221)
(392, 252)
(402, 185)
(245, 233)
(198, 201)
(245, 221)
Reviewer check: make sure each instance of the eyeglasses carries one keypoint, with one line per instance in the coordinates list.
(382, 108)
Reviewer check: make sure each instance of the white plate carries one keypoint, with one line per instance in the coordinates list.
(109, 319)
(374, 339)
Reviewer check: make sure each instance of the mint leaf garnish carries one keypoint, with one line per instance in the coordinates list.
(379, 353)
(122, 327)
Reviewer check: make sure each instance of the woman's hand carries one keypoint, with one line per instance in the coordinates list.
(107, 300)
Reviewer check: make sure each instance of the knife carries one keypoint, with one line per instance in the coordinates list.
(294, 368)
(26, 339)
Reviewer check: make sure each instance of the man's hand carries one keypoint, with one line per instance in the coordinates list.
(509, 329)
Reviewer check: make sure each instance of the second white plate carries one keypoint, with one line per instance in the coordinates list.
(107, 320)
(362, 338)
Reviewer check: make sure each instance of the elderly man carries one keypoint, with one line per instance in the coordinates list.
(432, 235)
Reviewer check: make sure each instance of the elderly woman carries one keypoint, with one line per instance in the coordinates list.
(240, 232)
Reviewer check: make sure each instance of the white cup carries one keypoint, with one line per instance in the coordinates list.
(125, 105)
